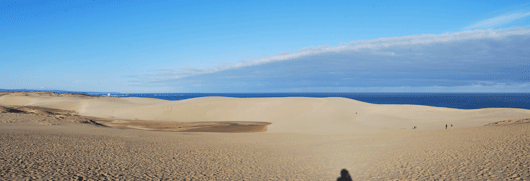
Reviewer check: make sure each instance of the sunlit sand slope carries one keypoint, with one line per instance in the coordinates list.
(292, 114)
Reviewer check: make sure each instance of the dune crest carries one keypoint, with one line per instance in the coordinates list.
(286, 115)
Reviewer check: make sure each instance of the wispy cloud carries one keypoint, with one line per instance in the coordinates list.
(475, 60)
(498, 21)
(284, 53)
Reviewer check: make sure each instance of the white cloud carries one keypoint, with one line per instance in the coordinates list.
(478, 60)
(377, 46)
(497, 21)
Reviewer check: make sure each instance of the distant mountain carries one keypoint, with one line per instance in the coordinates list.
(59, 91)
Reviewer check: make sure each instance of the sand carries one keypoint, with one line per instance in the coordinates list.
(40, 141)
(285, 115)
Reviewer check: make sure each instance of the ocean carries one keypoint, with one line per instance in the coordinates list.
(449, 100)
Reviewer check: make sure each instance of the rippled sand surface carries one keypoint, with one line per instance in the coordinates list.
(84, 151)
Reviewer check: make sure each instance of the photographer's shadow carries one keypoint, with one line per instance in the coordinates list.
(344, 176)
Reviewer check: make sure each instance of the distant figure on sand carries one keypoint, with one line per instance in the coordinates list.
(451, 126)
(344, 176)
(445, 126)
(414, 127)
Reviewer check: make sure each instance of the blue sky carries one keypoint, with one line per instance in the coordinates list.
(267, 46)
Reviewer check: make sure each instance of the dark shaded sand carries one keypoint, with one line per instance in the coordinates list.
(65, 149)
(224, 126)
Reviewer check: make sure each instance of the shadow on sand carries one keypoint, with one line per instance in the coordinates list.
(344, 175)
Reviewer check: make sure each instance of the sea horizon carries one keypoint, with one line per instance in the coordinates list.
(464, 100)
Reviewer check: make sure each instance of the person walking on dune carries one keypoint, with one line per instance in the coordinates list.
(445, 126)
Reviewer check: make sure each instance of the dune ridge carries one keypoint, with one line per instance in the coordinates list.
(285, 115)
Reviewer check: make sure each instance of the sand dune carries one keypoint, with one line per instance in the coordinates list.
(286, 115)
(62, 136)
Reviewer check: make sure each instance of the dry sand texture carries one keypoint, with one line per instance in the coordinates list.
(82, 151)
(48, 143)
